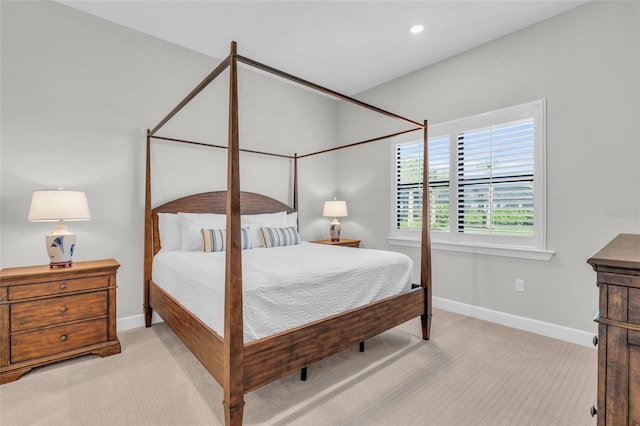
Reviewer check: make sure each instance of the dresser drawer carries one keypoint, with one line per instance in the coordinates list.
(57, 287)
(40, 313)
(36, 344)
(619, 279)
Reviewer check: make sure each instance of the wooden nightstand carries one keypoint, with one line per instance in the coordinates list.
(343, 242)
(50, 314)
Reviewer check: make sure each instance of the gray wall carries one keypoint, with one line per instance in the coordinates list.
(78, 94)
(586, 63)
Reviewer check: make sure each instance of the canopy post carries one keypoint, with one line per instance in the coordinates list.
(233, 369)
(148, 238)
(425, 247)
(295, 181)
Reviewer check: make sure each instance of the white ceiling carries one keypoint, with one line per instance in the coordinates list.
(347, 46)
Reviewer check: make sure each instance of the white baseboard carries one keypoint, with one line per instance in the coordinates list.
(135, 321)
(572, 335)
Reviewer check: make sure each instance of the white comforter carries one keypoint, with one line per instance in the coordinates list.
(284, 287)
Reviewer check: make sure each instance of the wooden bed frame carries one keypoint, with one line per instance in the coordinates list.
(240, 367)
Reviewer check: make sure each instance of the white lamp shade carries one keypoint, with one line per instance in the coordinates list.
(58, 204)
(335, 209)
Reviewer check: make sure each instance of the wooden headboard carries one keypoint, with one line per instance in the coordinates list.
(215, 202)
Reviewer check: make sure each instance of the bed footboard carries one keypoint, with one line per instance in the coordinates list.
(273, 357)
(270, 358)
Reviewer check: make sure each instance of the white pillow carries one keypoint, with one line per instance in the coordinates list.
(191, 225)
(170, 231)
(292, 220)
(255, 221)
(276, 219)
(206, 217)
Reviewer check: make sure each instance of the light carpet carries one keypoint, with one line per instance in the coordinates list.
(471, 372)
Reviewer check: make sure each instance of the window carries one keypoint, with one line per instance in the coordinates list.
(486, 182)
(409, 164)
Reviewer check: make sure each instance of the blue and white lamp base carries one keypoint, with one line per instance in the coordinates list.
(334, 230)
(60, 246)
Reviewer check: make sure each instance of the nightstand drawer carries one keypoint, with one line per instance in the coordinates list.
(49, 341)
(57, 287)
(58, 310)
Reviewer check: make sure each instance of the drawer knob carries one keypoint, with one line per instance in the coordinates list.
(63, 286)
(595, 340)
(64, 309)
(594, 411)
(63, 338)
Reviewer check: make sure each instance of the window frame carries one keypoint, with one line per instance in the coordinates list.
(524, 247)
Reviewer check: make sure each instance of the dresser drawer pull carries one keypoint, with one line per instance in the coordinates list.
(63, 309)
(594, 411)
(620, 324)
(595, 340)
(63, 286)
(63, 338)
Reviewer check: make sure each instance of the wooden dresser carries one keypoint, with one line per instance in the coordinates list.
(50, 314)
(618, 268)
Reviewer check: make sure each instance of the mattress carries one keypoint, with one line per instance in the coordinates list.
(283, 287)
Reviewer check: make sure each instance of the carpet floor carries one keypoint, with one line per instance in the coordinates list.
(471, 372)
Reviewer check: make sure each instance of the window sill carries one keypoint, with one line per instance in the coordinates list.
(491, 250)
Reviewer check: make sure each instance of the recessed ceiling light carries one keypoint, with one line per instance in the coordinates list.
(417, 29)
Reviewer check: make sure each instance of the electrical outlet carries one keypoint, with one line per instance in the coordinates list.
(519, 285)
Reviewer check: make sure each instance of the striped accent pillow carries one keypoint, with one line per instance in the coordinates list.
(216, 239)
(275, 237)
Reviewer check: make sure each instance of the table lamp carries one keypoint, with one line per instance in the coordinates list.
(335, 209)
(58, 205)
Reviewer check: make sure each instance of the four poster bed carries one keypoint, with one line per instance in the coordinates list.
(242, 363)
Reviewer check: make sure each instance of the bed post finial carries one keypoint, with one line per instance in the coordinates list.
(234, 47)
(425, 249)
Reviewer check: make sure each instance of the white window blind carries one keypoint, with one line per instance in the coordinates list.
(495, 167)
(486, 180)
(409, 166)
(409, 173)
